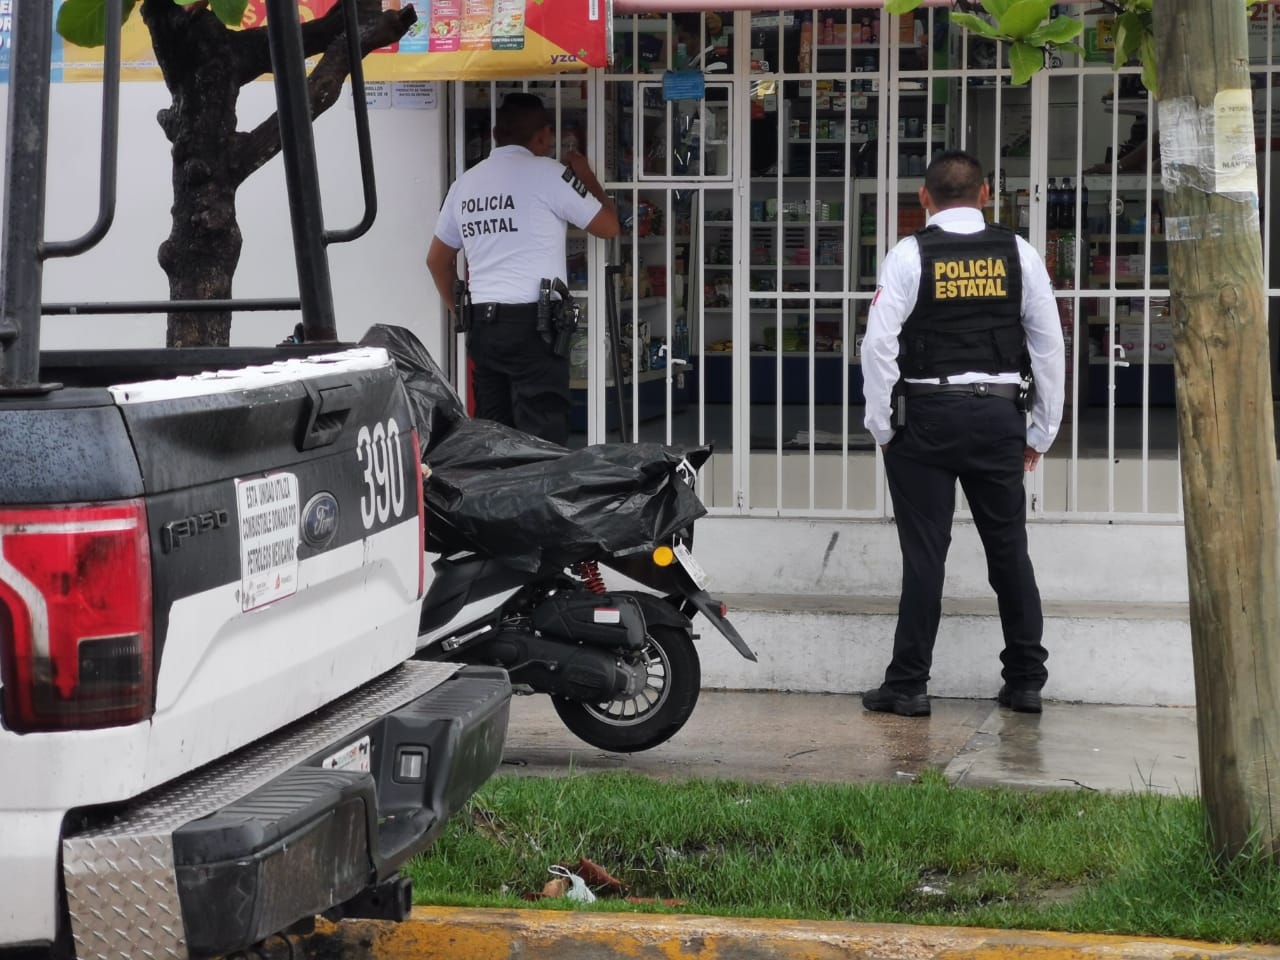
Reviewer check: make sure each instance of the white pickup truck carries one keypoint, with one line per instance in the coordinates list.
(211, 575)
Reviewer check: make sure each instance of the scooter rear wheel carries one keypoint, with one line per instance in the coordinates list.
(631, 724)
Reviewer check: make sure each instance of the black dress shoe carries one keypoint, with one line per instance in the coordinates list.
(1019, 701)
(884, 700)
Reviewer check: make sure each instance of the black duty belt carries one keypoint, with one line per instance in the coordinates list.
(1007, 391)
(507, 312)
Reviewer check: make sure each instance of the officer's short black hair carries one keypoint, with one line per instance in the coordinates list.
(519, 118)
(953, 179)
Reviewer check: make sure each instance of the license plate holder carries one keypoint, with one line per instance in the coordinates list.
(691, 566)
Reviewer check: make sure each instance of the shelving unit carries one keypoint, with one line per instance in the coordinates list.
(1121, 250)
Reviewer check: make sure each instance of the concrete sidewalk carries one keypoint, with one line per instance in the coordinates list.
(777, 737)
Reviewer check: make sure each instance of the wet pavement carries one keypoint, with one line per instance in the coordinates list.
(780, 737)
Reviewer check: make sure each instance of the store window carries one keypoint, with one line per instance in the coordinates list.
(757, 209)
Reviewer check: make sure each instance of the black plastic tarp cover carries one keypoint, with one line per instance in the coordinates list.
(534, 504)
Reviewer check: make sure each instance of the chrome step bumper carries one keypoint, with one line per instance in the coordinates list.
(243, 848)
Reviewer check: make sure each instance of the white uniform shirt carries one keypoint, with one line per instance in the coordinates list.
(896, 298)
(510, 213)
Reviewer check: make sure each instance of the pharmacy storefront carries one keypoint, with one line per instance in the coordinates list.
(765, 160)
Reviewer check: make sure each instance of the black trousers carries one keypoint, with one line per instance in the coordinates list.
(979, 441)
(518, 380)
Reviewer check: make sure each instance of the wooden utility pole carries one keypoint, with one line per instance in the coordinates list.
(1225, 419)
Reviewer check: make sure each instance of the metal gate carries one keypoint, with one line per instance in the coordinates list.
(765, 161)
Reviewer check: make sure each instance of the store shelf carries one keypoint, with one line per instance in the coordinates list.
(1126, 279)
(793, 223)
(772, 308)
(646, 376)
(788, 266)
(1127, 105)
(1126, 237)
(817, 355)
(1124, 183)
(642, 303)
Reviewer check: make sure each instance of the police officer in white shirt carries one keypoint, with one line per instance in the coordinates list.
(510, 213)
(964, 311)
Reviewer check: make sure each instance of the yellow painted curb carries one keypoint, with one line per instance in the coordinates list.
(469, 934)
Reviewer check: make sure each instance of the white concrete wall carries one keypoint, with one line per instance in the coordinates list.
(817, 601)
(379, 278)
(1074, 562)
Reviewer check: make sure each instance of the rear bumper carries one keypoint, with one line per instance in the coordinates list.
(287, 828)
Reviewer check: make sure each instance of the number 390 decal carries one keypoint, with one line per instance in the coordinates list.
(378, 451)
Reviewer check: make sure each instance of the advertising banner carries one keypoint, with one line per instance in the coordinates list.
(451, 40)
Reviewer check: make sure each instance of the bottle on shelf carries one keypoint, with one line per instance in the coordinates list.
(1053, 198)
(1067, 211)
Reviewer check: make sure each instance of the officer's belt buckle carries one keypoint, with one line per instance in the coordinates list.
(980, 389)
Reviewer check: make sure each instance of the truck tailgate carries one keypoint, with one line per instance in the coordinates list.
(283, 511)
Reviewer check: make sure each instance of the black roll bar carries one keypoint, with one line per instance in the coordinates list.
(23, 249)
(301, 176)
(109, 153)
(363, 141)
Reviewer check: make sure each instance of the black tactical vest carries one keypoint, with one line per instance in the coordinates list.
(968, 314)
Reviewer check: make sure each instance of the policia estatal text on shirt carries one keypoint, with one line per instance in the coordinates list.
(510, 214)
(963, 317)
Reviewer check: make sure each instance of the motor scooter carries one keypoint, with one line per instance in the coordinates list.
(620, 666)
(517, 530)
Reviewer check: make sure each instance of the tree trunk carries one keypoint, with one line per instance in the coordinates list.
(1225, 418)
(203, 249)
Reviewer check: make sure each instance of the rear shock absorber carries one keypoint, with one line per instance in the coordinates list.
(589, 571)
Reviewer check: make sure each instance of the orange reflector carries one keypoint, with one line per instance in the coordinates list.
(664, 556)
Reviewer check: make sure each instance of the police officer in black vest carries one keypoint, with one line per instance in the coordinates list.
(963, 319)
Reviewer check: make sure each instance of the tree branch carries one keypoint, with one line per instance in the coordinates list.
(162, 18)
(252, 150)
(253, 56)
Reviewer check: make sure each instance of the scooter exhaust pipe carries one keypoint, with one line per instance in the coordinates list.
(561, 669)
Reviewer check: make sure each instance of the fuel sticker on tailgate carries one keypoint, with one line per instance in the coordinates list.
(354, 756)
(268, 514)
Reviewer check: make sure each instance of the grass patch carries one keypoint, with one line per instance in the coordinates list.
(925, 852)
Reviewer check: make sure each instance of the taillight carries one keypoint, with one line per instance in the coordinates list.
(75, 616)
(422, 516)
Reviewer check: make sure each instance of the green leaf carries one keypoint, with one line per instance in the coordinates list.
(1075, 48)
(975, 24)
(996, 7)
(1130, 29)
(1023, 16)
(84, 22)
(1148, 54)
(1057, 31)
(230, 12)
(900, 7)
(1024, 62)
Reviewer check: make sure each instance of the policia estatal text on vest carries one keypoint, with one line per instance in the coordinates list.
(963, 320)
(510, 214)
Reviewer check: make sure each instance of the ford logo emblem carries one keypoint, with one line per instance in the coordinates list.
(320, 519)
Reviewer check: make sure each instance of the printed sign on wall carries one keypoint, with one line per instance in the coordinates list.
(451, 40)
